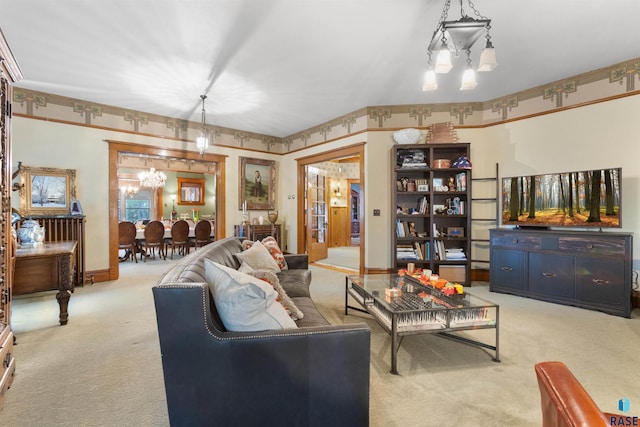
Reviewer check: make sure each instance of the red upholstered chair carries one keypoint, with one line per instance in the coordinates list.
(565, 403)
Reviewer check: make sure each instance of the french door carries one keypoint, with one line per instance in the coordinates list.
(316, 218)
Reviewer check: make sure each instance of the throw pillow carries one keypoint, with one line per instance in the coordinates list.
(244, 302)
(288, 304)
(245, 268)
(258, 258)
(246, 244)
(271, 244)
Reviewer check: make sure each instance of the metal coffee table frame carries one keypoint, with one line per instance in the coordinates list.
(411, 314)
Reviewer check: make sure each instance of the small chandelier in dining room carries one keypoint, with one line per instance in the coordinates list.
(202, 142)
(129, 190)
(455, 37)
(152, 179)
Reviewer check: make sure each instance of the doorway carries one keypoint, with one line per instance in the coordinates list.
(116, 147)
(326, 207)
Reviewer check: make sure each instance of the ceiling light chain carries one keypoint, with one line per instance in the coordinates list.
(456, 36)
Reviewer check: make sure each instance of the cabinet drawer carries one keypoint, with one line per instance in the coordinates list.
(601, 281)
(593, 245)
(7, 362)
(507, 270)
(516, 241)
(552, 275)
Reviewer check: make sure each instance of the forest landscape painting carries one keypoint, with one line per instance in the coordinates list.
(570, 199)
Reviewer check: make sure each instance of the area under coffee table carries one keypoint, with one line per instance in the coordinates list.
(420, 309)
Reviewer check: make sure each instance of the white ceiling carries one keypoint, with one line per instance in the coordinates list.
(278, 67)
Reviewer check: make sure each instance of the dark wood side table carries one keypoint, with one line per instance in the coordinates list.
(258, 232)
(45, 267)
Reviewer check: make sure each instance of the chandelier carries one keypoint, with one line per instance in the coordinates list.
(202, 142)
(129, 190)
(455, 37)
(152, 179)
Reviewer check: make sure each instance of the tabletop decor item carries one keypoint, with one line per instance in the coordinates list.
(30, 233)
(407, 136)
(272, 216)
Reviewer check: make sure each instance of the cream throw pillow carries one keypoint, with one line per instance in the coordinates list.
(283, 298)
(258, 258)
(244, 302)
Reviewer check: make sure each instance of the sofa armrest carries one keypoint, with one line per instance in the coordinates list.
(307, 376)
(564, 401)
(295, 261)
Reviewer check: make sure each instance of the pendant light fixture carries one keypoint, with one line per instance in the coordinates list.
(453, 37)
(202, 142)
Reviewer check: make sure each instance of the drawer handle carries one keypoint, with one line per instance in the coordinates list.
(514, 241)
(550, 275)
(506, 268)
(589, 245)
(601, 282)
(7, 360)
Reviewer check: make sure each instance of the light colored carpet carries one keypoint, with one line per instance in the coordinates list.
(104, 368)
(342, 257)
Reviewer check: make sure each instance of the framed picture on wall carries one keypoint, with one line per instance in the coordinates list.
(46, 191)
(257, 184)
(190, 191)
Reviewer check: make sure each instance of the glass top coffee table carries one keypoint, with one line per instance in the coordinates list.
(404, 306)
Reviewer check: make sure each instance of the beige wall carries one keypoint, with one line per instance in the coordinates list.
(600, 135)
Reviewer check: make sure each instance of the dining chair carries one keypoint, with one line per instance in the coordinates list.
(202, 233)
(127, 240)
(154, 238)
(179, 237)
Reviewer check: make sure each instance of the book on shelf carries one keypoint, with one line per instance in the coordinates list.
(406, 252)
(423, 205)
(455, 254)
(405, 228)
(418, 250)
(438, 247)
(408, 165)
(461, 181)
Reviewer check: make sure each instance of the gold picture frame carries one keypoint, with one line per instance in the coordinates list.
(257, 184)
(191, 191)
(46, 191)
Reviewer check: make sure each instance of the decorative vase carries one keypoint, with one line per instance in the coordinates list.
(26, 231)
(272, 216)
(38, 235)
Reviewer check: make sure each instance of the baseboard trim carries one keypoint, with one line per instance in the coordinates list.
(95, 276)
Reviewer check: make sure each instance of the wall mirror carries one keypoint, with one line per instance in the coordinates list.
(190, 191)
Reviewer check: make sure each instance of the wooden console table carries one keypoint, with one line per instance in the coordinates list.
(45, 267)
(259, 231)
